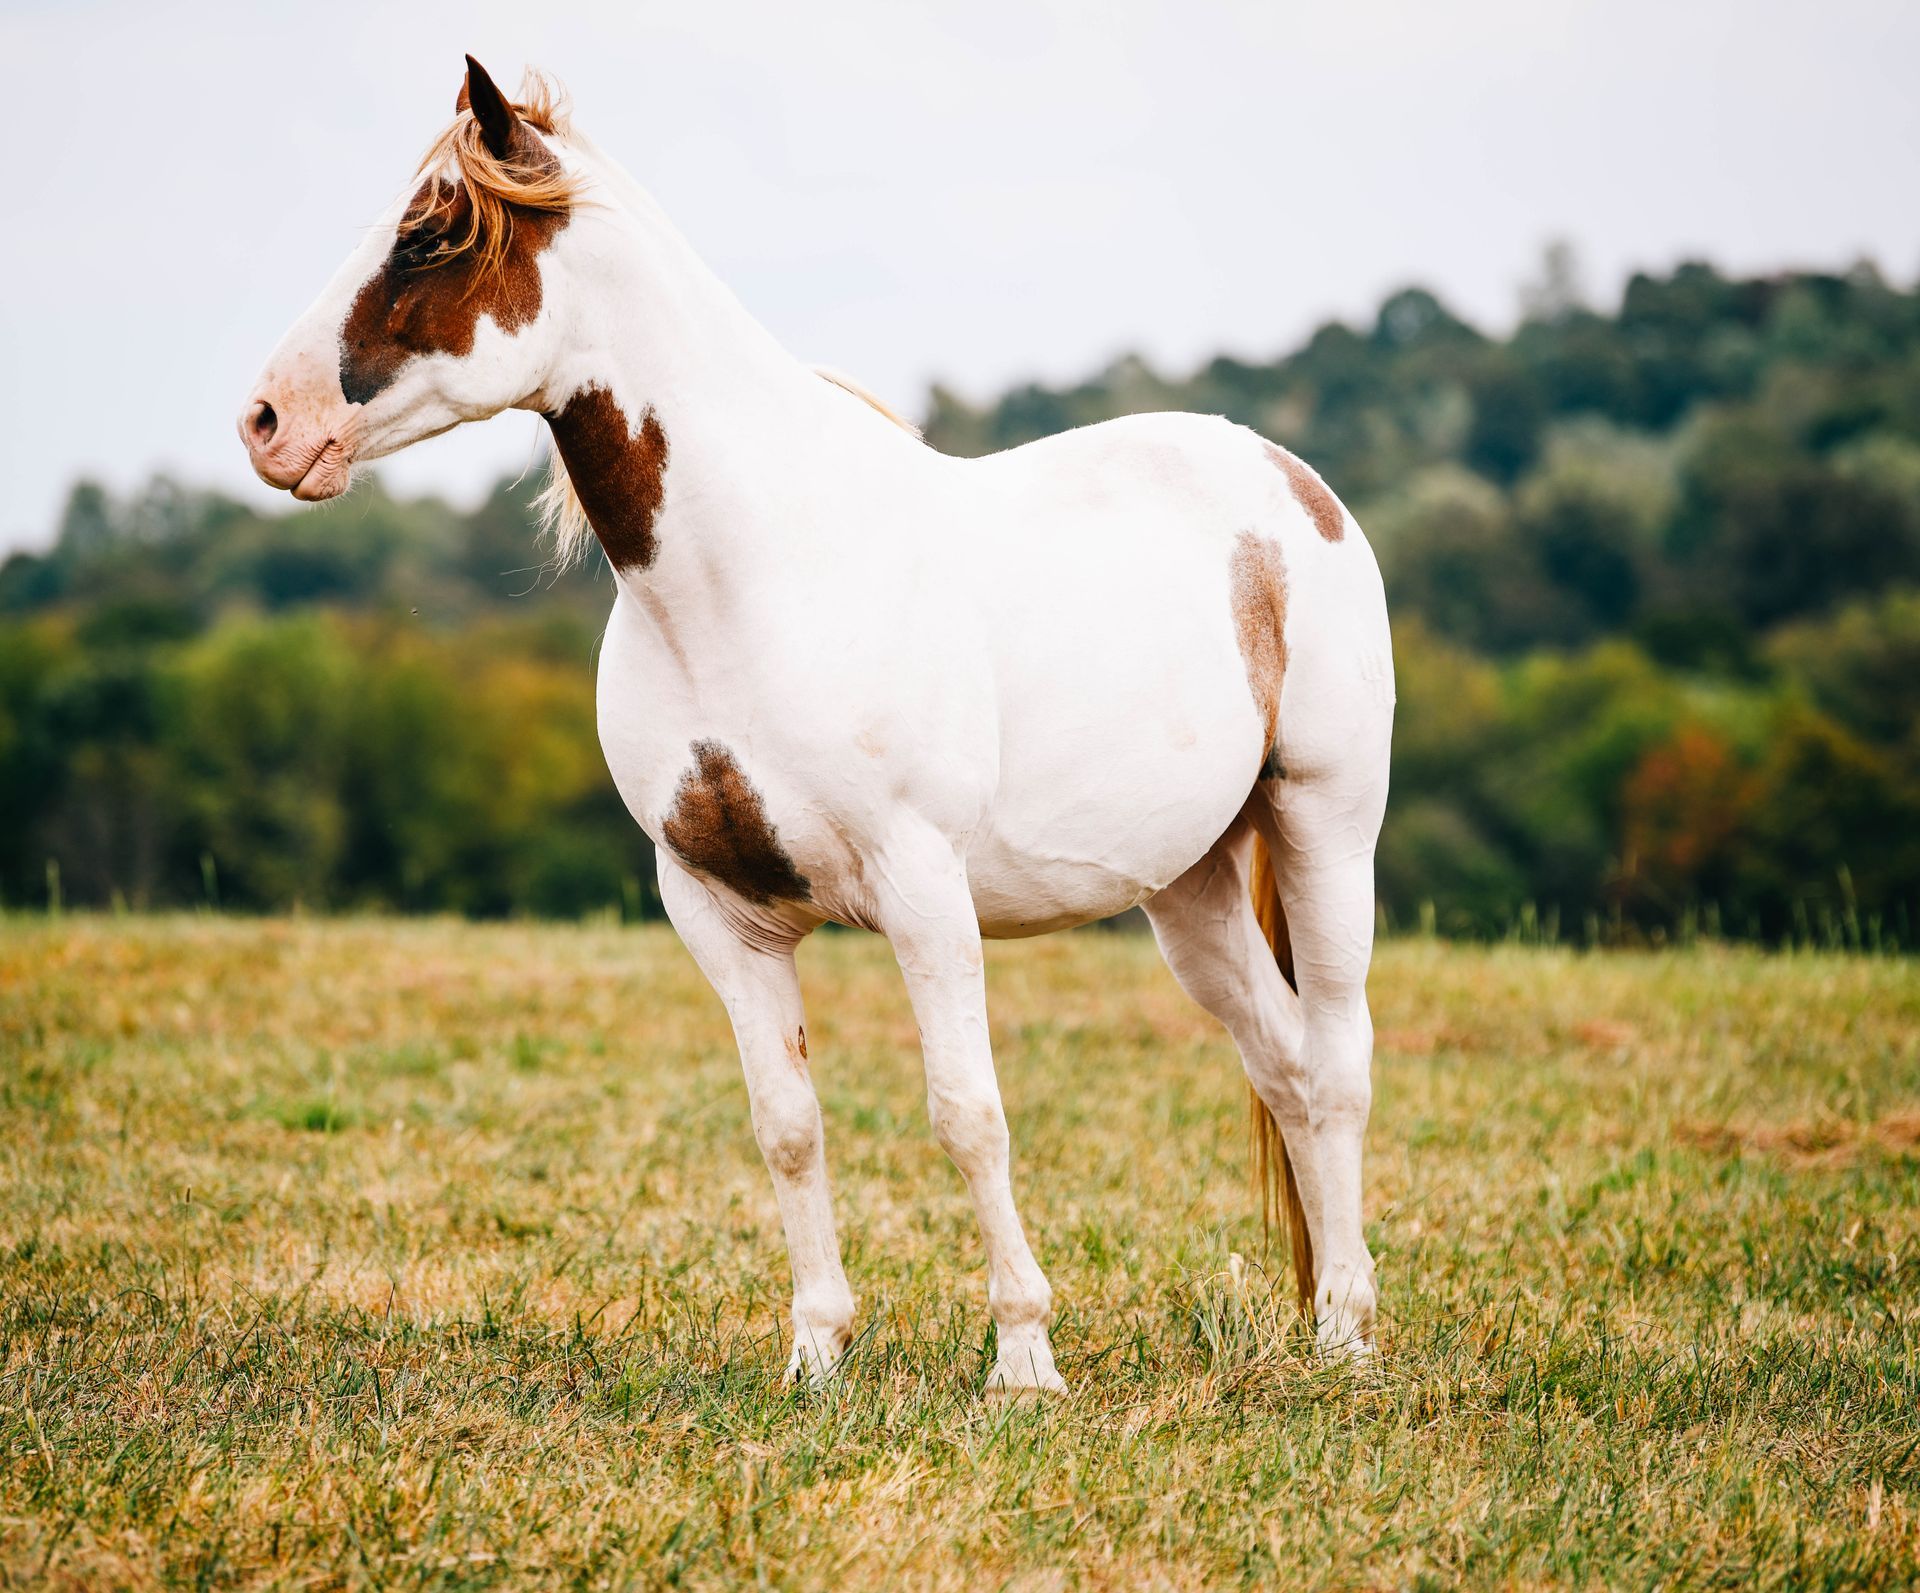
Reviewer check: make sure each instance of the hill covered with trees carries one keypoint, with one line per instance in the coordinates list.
(1655, 575)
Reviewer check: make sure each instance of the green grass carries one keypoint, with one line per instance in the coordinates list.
(431, 1255)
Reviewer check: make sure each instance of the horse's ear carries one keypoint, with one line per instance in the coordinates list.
(490, 109)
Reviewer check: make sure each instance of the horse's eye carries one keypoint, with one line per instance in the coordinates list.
(416, 246)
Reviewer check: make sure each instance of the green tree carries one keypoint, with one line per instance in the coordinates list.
(258, 715)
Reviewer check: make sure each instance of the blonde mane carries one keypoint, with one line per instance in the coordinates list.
(528, 178)
(873, 401)
(563, 518)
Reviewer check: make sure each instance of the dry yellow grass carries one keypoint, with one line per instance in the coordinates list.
(426, 1254)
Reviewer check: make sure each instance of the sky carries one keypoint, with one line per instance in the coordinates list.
(976, 194)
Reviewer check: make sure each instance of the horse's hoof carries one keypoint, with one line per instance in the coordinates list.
(807, 1369)
(1031, 1372)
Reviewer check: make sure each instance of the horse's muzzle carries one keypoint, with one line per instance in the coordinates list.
(299, 432)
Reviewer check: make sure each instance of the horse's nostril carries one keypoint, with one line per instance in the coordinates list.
(263, 422)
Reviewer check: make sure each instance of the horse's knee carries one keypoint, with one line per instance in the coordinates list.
(970, 1124)
(789, 1133)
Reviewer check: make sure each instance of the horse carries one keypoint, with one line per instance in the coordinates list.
(848, 679)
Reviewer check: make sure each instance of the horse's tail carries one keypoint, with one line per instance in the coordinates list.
(1271, 1168)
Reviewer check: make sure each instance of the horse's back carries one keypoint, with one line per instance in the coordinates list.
(1114, 554)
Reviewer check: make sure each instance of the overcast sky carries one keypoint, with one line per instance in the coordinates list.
(974, 193)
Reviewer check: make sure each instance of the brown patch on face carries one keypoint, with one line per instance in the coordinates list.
(1258, 586)
(621, 478)
(718, 825)
(1311, 493)
(418, 303)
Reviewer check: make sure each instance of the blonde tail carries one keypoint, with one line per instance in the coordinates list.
(1271, 1168)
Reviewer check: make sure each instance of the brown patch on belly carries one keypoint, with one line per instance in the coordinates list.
(1311, 493)
(620, 477)
(1258, 585)
(718, 826)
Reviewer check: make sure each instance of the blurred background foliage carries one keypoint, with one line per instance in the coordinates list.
(1655, 575)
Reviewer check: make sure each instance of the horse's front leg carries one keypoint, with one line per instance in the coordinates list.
(928, 915)
(761, 989)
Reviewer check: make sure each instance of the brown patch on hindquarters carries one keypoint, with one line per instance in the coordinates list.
(620, 477)
(1258, 586)
(718, 826)
(1310, 492)
(428, 295)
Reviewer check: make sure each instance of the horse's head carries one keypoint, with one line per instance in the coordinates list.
(444, 313)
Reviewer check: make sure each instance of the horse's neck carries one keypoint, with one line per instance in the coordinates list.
(759, 451)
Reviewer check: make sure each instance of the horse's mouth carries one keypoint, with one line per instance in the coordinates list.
(328, 475)
(316, 465)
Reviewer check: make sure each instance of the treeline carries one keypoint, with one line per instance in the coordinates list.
(377, 704)
(1655, 573)
(1654, 577)
(313, 759)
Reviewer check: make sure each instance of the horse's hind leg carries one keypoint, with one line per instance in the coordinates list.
(1212, 940)
(1321, 834)
(1307, 1055)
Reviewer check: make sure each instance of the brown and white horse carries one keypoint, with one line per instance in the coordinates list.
(849, 679)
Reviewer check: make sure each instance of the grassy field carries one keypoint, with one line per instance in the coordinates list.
(430, 1255)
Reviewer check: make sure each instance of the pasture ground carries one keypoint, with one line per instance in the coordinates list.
(431, 1255)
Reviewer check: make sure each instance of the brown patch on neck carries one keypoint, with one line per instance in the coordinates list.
(718, 826)
(621, 478)
(1311, 493)
(1258, 587)
(424, 301)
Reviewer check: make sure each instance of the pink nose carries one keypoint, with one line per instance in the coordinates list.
(299, 431)
(259, 424)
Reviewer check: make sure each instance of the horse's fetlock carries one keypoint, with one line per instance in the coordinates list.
(825, 1315)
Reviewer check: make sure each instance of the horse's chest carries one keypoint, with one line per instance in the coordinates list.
(702, 781)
